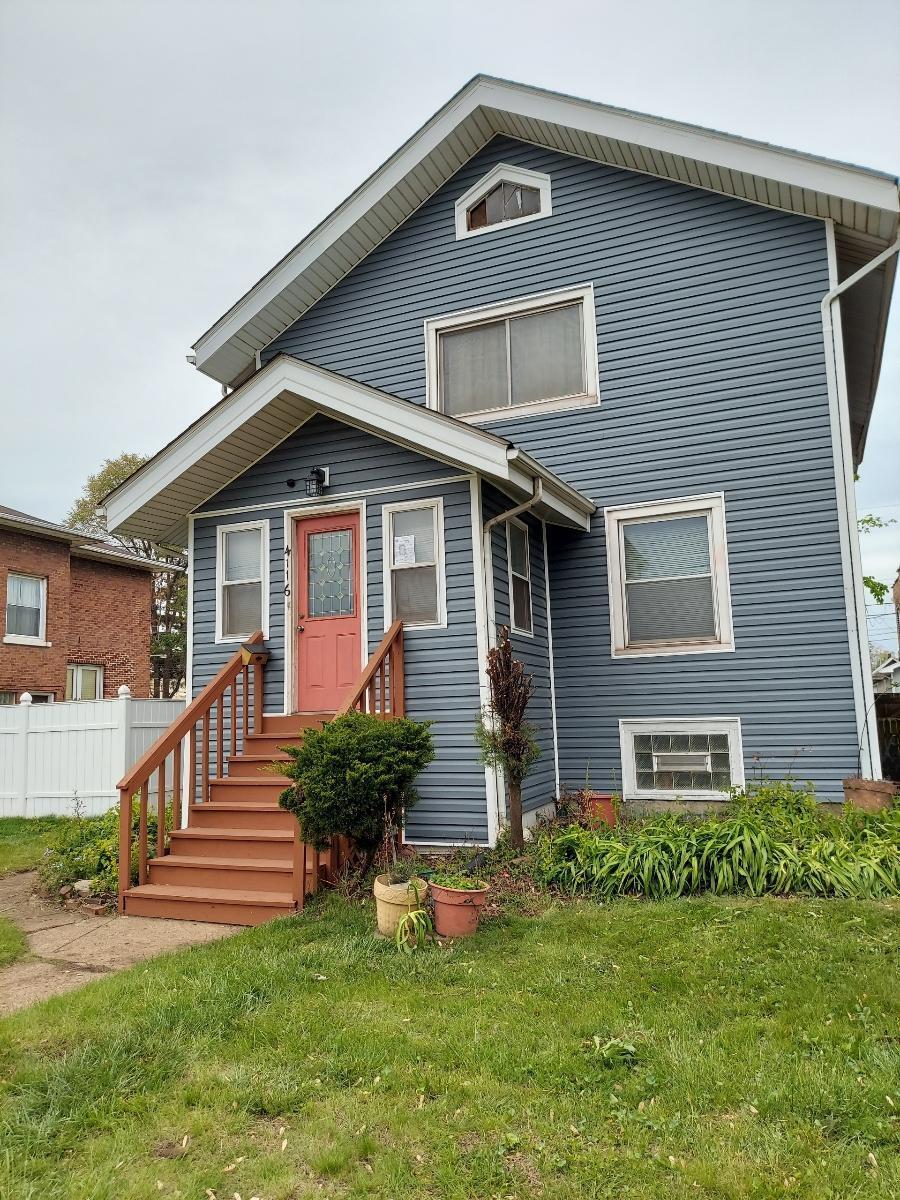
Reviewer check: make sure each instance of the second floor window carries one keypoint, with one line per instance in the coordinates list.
(26, 607)
(536, 353)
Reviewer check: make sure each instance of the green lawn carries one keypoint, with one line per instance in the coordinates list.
(757, 1055)
(23, 841)
(12, 942)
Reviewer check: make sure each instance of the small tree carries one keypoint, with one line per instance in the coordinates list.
(354, 778)
(503, 735)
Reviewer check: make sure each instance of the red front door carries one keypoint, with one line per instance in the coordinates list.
(327, 628)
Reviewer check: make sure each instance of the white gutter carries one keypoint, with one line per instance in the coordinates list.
(864, 697)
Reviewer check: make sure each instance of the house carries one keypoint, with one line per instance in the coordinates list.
(600, 377)
(76, 614)
(886, 676)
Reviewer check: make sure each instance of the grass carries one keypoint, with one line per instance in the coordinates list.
(13, 943)
(687, 1048)
(23, 841)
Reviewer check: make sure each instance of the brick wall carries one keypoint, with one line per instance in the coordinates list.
(110, 622)
(96, 613)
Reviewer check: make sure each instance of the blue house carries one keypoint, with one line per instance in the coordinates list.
(597, 376)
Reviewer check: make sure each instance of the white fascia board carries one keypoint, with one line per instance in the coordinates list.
(305, 253)
(723, 150)
(672, 137)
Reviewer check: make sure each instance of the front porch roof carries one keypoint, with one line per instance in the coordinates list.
(155, 501)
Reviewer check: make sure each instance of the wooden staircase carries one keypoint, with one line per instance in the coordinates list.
(239, 858)
(234, 861)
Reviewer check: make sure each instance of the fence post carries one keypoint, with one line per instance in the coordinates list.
(123, 720)
(24, 716)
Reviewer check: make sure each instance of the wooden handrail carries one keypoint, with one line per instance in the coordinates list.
(380, 688)
(234, 677)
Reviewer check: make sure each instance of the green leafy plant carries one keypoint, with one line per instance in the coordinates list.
(355, 778)
(772, 839)
(457, 880)
(504, 737)
(88, 848)
(413, 930)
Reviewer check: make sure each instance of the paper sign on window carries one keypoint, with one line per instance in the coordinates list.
(404, 550)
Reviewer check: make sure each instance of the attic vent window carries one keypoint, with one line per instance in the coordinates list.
(507, 202)
(506, 197)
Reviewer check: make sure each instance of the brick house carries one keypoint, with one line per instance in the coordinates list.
(75, 614)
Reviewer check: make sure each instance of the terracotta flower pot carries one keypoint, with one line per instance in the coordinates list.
(601, 807)
(456, 911)
(394, 900)
(871, 795)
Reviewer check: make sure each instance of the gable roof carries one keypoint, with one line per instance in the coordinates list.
(246, 424)
(863, 204)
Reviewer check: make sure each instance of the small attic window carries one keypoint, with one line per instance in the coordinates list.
(505, 197)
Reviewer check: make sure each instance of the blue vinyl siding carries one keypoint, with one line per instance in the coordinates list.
(441, 665)
(539, 788)
(712, 378)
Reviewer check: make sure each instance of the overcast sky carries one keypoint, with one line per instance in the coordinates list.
(159, 156)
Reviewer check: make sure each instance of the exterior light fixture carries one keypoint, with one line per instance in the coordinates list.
(316, 481)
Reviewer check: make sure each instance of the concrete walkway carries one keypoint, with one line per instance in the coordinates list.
(70, 948)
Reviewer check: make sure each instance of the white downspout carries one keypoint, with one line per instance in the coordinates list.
(867, 739)
(537, 495)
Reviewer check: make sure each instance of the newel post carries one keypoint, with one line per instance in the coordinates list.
(256, 658)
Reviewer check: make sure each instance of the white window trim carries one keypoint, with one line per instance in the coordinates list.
(81, 666)
(509, 174)
(221, 531)
(465, 318)
(437, 505)
(23, 639)
(509, 577)
(634, 725)
(711, 504)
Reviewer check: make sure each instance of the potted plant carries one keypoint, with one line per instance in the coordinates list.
(354, 778)
(458, 900)
(871, 795)
(397, 892)
(503, 735)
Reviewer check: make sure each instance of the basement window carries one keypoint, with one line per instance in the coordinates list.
(668, 758)
(506, 197)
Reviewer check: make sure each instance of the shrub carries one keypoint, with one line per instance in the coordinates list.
(355, 778)
(774, 839)
(88, 848)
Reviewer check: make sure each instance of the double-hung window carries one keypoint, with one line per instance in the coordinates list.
(84, 682)
(668, 577)
(414, 586)
(26, 608)
(242, 580)
(519, 559)
(693, 758)
(515, 358)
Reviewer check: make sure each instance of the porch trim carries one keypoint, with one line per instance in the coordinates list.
(484, 609)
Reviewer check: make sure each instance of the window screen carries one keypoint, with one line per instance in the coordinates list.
(513, 361)
(519, 578)
(242, 588)
(668, 580)
(414, 565)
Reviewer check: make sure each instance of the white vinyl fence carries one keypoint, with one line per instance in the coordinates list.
(54, 756)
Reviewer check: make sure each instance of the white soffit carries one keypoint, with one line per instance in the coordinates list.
(155, 502)
(863, 203)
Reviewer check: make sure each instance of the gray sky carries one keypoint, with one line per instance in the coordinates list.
(159, 156)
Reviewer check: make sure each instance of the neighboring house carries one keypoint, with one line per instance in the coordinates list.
(886, 676)
(75, 612)
(571, 369)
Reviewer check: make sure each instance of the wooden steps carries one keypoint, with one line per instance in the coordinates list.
(234, 863)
